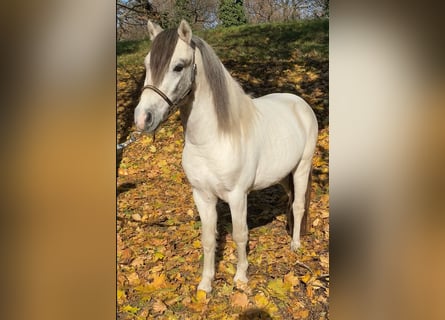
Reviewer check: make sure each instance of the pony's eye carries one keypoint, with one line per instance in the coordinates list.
(178, 68)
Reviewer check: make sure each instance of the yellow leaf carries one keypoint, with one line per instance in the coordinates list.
(239, 299)
(306, 278)
(121, 297)
(291, 280)
(158, 256)
(260, 300)
(152, 149)
(159, 281)
(228, 268)
(278, 288)
(197, 244)
(201, 296)
(130, 309)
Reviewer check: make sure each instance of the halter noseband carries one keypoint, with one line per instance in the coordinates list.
(174, 106)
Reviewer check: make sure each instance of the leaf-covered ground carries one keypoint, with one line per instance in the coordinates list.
(158, 227)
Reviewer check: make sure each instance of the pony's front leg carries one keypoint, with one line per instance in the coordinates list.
(206, 204)
(240, 234)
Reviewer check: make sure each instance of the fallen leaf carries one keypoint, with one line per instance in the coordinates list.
(130, 309)
(121, 297)
(201, 296)
(306, 278)
(239, 299)
(137, 262)
(159, 306)
(316, 222)
(261, 300)
(278, 288)
(125, 256)
(291, 280)
(136, 217)
(196, 244)
(324, 261)
(158, 256)
(159, 281)
(133, 279)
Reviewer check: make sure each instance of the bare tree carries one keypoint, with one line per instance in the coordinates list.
(200, 13)
(284, 10)
(132, 16)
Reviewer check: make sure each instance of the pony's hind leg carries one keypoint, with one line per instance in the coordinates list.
(206, 204)
(301, 177)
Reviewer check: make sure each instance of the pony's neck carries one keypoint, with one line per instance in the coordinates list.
(202, 123)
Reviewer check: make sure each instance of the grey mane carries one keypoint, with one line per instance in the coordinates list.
(216, 78)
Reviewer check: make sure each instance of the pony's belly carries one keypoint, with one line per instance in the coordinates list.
(273, 174)
(278, 158)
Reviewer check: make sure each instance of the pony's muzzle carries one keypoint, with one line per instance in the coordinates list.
(144, 120)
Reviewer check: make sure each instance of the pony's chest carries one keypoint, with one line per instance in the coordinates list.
(214, 169)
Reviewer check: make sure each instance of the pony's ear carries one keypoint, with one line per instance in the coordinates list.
(185, 32)
(153, 29)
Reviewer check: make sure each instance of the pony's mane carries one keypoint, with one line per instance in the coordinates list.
(161, 54)
(216, 78)
(234, 117)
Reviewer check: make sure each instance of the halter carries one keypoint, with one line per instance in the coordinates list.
(174, 106)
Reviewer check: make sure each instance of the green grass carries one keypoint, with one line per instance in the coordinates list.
(132, 53)
(271, 40)
(261, 41)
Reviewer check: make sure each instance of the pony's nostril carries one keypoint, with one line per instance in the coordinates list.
(148, 118)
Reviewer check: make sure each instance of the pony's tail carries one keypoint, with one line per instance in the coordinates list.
(290, 211)
(306, 221)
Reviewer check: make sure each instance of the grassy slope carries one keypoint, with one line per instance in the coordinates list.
(159, 255)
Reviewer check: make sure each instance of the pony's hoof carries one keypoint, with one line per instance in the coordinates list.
(205, 285)
(295, 245)
(240, 277)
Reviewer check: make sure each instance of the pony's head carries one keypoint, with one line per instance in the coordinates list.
(170, 73)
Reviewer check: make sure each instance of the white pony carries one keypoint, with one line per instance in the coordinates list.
(233, 144)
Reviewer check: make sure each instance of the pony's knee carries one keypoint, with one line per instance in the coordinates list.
(208, 241)
(240, 236)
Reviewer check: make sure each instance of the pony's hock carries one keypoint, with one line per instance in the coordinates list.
(233, 144)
